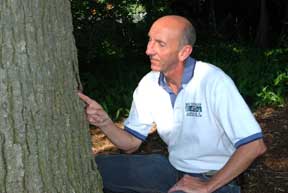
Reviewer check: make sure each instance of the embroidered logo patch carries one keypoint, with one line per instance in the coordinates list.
(193, 109)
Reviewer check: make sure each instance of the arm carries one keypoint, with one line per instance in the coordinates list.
(97, 116)
(238, 163)
(225, 98)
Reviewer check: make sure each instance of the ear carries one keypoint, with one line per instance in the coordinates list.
(185, 52)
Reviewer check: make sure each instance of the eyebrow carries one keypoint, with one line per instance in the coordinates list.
(158, 40)
(161, 42)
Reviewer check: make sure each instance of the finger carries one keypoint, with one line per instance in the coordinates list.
(92, 110)
(97, 121)
(85, 98)
(173, 189)
(93, 118)
(89, 101)
(192, 178)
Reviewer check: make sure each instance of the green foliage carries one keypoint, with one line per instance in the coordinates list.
(275, 94)
(113, 86)
(113, 29)
(114, 96)
(252, 69)
(111, 41)
(261, 76)
(268, 97)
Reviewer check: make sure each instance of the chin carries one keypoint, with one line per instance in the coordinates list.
(154, 68)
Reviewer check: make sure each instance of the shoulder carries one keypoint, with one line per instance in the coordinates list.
(150, 79)
(204, 69)
(148, 84)
(210, 74)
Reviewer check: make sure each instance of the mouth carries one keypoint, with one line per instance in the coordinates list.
(154, 64)
(154, 59)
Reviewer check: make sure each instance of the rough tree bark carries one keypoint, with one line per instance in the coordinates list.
(262, 38)
(44, 146)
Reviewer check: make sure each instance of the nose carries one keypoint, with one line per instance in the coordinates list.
(150, 48)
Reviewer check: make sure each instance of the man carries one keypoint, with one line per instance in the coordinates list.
(211, 135)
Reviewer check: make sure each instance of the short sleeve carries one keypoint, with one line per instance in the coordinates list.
(233, 114)
(139, 121)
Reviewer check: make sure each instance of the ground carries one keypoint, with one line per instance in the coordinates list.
(268, 174)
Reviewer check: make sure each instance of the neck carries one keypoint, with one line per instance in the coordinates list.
(174, 78)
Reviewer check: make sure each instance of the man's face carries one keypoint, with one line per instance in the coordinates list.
(163, 47)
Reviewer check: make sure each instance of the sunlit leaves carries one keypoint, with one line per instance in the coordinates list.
(137, 12)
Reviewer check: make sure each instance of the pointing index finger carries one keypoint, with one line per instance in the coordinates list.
(86, 99)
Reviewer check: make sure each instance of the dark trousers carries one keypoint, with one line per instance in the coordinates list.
(151, 173)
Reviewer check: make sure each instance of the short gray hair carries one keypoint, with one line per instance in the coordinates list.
(189, 35)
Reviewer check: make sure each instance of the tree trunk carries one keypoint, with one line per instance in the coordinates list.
(44, 138)
(262, 38)
(212, 16)
(283, 39)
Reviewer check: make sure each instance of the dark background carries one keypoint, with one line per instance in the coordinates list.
(247, 39)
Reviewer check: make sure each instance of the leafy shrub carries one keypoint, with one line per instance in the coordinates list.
(111, 43)
(252, 69)
(275, 94)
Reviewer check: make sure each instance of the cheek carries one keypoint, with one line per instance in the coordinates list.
(168, 57)
(164, 55)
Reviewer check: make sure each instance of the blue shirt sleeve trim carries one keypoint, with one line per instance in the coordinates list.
(135, 133)
(248, 139)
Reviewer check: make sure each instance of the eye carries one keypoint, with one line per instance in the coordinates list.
(162, 44)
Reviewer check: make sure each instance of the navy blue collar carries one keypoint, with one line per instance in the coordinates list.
(187, 74)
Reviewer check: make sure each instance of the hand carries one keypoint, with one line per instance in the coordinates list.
(190, 184)
(94, 112)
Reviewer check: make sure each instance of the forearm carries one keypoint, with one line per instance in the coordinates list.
(96, 115)
(120, 138)
(238, 163)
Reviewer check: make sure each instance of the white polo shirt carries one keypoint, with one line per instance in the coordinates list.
(202, 125)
